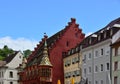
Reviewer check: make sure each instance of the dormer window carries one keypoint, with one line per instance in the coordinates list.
(90, 40)
(99, 37)
(102, 36)
(68, 52)
(105, 34)
(72, 51)
(76, 49)
(111, 32)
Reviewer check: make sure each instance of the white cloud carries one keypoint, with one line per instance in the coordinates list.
(89, 33)
(18, 44)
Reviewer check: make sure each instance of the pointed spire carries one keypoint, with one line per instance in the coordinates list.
(45, 59)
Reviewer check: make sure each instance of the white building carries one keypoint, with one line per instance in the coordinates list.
(96, 55)
(8, 71)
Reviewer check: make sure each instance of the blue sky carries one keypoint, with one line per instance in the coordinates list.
(29, 19)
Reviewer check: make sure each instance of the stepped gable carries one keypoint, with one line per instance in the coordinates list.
(86, 41)
(10, 57)
(59, 34)
(52, 40)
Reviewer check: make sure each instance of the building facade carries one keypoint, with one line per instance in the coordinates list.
(60, 42)
(8, 71)
(72, 69)
(116, 58)
(96, 55)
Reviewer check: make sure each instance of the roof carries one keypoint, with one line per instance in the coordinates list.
(85, 43)
(51, 40)
(10, 57)
(2, 63)
(107, 29)
(45, 59)
(116, 42)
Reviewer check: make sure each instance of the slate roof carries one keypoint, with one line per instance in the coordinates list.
(10, 57)
(85, 42)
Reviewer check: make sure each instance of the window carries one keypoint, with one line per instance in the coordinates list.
(90, 40)
(89, 55)
(98, 37)
(101, 81)
(96, 68)
(69, 74)
(108, 66)
(105, 34)
(116, 51)
(111, 32)
(67, 43)
(101, 67)
(89, 82)
(11, 74)
(89, 69)
(73, 60)
(115, 80)
(96, 82)
(101, 51)
(115, 66)
(84, 60)
(0, 74)
(78, 72)
(68, 62)
(11, 82)
(85, 71)
(20, 57)
(96, 53)
(45, 72)
(1, 82)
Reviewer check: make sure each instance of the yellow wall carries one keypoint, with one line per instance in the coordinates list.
(72, 67)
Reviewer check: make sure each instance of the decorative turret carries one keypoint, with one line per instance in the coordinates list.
(45, 60)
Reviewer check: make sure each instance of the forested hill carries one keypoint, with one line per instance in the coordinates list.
(5, 51)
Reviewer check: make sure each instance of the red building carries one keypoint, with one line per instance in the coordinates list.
(39, 71)
(60, 42)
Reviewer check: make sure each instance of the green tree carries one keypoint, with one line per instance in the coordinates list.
(27, 52)
(5, 51)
